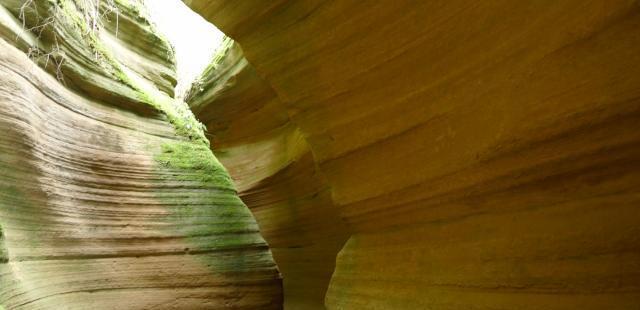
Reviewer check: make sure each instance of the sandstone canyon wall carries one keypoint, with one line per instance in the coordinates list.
(110, 197)
(476, 155)
(392, 154)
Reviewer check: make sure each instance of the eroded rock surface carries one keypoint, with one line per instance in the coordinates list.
(114, 203)
(483, 155)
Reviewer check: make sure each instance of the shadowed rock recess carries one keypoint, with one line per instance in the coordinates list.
(392, 154)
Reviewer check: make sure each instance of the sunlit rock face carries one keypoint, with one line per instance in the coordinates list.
(481, 155)
(110, 197)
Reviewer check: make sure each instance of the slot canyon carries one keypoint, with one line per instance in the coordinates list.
(324, 154)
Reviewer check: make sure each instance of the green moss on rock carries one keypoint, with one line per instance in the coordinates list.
(90, 61)
(204, 204)
(196, 163)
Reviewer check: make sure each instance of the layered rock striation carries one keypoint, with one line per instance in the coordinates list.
(110, 197)
(77, 42)
(481, 155)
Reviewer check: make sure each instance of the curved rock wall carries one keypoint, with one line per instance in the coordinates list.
(104, 207)
(484, 155)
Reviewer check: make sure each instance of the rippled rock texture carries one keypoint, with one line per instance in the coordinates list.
(110, 197)
(476, 155)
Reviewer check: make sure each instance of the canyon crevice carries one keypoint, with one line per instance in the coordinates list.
(357, 155)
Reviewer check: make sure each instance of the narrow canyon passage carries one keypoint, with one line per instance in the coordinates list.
(319, 154)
